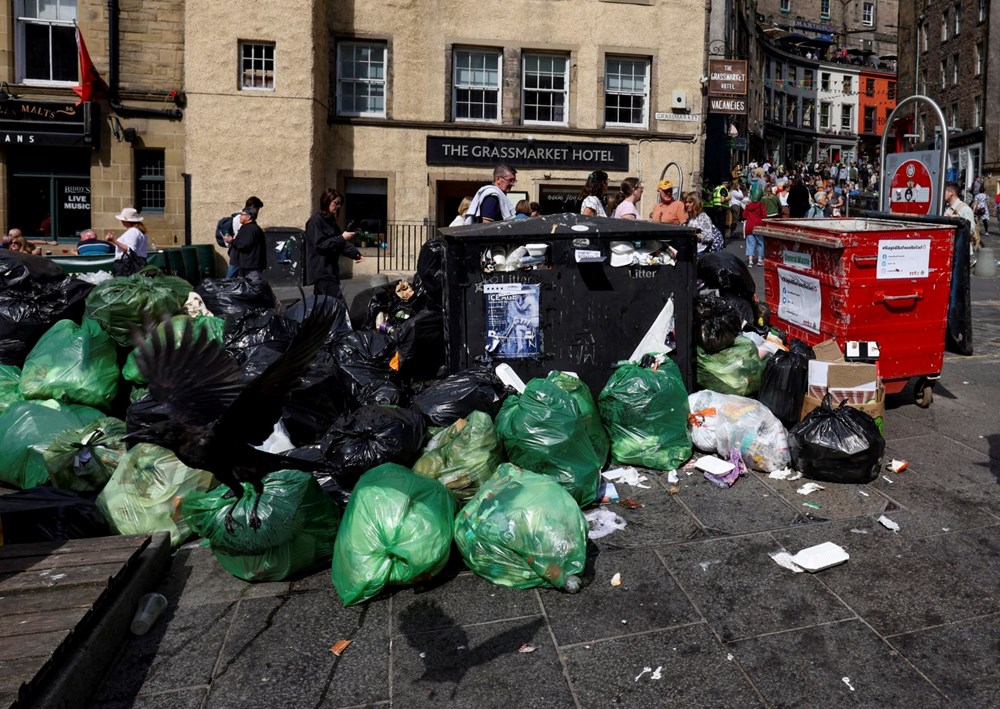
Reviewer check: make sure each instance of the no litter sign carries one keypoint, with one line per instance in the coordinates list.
(910, 189)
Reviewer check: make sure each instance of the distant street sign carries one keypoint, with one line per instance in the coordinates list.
(686, 117)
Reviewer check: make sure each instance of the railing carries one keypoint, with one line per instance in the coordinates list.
(400, 246)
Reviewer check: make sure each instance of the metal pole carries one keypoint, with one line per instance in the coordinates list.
(943, 159)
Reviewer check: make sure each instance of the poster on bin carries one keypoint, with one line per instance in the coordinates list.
(799, 300)
(512, 321)
(903, 258)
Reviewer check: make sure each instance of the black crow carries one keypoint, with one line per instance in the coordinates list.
(217, 416)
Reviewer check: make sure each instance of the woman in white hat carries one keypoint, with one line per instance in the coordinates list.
(132, 247)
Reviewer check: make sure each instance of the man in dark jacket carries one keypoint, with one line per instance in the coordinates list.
(249, 250)
(325, 244)
(798, 199)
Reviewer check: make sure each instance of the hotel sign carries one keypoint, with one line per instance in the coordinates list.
(520, 154)
(37, 123)
(727, 77)
(727, 104)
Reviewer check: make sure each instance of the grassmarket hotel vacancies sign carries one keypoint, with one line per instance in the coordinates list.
(526, 154)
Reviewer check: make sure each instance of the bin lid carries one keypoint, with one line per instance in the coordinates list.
(839, 233)
(566, 226)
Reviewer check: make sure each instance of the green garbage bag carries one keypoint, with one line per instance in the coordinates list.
(211, 325)
(84, 459)
(544, 430)
(646, 412)
(523, 530)
(298, 526)
(146, 490)
(580, 392)
(73, 363)
(121, 305)
(735, 370)
(26, 429)
(463, 455)
(396, 530)
(10, 389)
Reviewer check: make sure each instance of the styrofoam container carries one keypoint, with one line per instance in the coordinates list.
(822, 556)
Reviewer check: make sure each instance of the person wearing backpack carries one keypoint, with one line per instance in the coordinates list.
(230, 226)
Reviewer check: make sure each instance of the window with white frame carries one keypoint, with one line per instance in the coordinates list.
(46, 41)
(846, 117)
(868, 14)
(954, 69)
(807, 78)
(944, 73)
(824, 115)
(475, 92)
(979, 58)
(257, 66)
(544, 88)
(824, 81)
(808, 111)
(848, 85)
(977, 111)
(786, 5)
(626, 91)
(361, 71)
(824, 9)
(982, 10)
(944, 26)
(958, 19)
(954, 115)
(779, 108)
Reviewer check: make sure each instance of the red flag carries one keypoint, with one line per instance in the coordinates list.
(90, 81)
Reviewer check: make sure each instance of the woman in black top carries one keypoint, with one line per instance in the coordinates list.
(325, 243)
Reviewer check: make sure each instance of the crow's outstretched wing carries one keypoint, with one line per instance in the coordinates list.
(252, 416)
(196, 376)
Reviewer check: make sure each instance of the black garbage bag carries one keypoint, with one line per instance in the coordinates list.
(19, 270)
(370, 436)
(258, 337)
(727, 273)
(341, 326)
(420, 343)
(717, 323)
(364, 358)
(46, 514)
(786, 378)
(457, 395)
(744, 308)
(235, 296)
(316, 403)
(386, 307)
(838, 445)
(430, 271)
(28, 311)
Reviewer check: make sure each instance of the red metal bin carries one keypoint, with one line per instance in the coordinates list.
(868, 280)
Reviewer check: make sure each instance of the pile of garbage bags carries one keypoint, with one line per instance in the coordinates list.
(399, 461)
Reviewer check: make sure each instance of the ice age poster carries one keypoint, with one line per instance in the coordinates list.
(512, 323)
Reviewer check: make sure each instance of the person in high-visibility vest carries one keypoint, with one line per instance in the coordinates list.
(720, 207)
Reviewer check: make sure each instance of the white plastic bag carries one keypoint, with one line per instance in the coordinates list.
(721, 422)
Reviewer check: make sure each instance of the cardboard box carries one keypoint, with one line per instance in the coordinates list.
(857, 382)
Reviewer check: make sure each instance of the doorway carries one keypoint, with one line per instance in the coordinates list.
(450, 194)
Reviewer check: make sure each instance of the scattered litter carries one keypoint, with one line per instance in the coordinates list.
(629, 476)
(616, 580)
(672, 477)
(526, 648)
(855, 530)
(945, 529)
(338, 647)
(784, 559)
(607, 493)
(657, 674)
(888, 524)
(810, 487)
(603, 522)
(460, 647)
(862, 492)
(730, 657)
(624, 622)
(897, 466)
(644, 671)
(785, 473)
(847, 681)
(888, 479)
(631, 504)
(820, 557)
(728, 473)
(814, 505)
(674, 489)
(713, 465)
(706, 565)
(423, 655)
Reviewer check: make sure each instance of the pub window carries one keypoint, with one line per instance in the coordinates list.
(626, 91)
(476, 85)
(150, 181)
(361, 71)
(257, 66)
(46, 41)
(545, 88)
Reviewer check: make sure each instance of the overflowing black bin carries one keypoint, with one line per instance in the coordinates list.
(569, 302)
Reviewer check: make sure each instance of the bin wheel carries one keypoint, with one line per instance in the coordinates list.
(923, 392)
